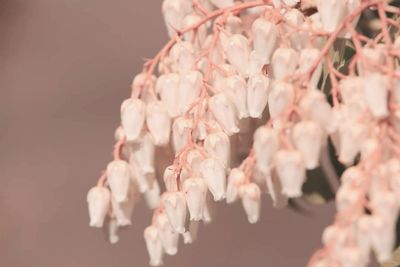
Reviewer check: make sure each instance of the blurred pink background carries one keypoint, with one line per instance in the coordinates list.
(65, 67)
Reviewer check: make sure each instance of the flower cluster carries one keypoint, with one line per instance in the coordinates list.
(263, 70)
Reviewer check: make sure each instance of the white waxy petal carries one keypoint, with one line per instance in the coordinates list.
(154, 245)
(222, 3)
(284, 62)
(376, 95)
(195, 190)
(174, 12)
(133, 112)
(138, 176)
(295, 17)
(332, 13)
(168, 88)
(224, 112)
(352, 257)
(258, 89)
(190, 87)
(218, 146)
(215, 176)
(266, 144)
(170, 179)
(347, 197)
(112, 231)
(98, 199)
(351, 137)
(371, 59)
(143, 153)
(237, 93)
(237, 53)
(158, 122)
(291, 171)
(181, 130)
(384, 203)
(280, 98)
(169, 238)
(353, 176)
(175, 207)
(307, 138)
(265, 35)
(363, 239)
(251, 201)
(141, 84)
(382, 238)
(274, 187)
(256, 64)
(201, 33)
(118, 177)
(307, 58)
(152, 196)
(182, 54)
(236, 178)
(123, 210)
(291, 3)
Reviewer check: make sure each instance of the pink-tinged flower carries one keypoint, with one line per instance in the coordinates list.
(170, 178)
(290, 168)
(351, 256)
(382, 238)
(158, 122)
(201, 33)
(284, 62)
(122, 211)
(353, 176)
(195, 190)
(351, 137)
(190, 87)
(236, 178)
(280, 98)
(265, 38)
(141, 84)
(274, 187)
(307, 58)
(174, 12)
(169, 238)
(182, 55)
(256, 64)
(237, 93)
(193, 159)
(218, 146)
(133, 112)
(294, 17)
(332, 13)
(154, 245)
(98, 199)
(237, 51)
(168, 88)
(118, 177)
(371, 59)
(258, 88)
(266, 144)
(224, 112)
(152, 195)
(214, 174)
(218, 75)
(181, 129)
(251, 201)
(376, 94)
(363, 239)
(175, 207)
(384, 203)
(348, 198)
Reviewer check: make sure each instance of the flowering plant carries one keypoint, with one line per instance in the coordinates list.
(279, 81)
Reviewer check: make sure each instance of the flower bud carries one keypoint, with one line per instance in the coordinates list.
(182, 54)
(201, 32)
(169, 238)
(332, 13)
(112, 231)
(133, 113)
(384, 203)
(266, 144)
(190, 87)
(152, 195)
(257, 94)
(274, 187)
(214, 174)
(371, 59)
(382, 238)
(143, 153)
(236, 178)
(236, 92)
(138, 176)
(351, 136)
(222, 3)
(363, 226)
(153, 245)
(141, 84)
(251, 200)
(307, 58)
(123, 210)
(291, 171)
(284, 62)
(290, 3)
(170, 179)
(347, 198)
(175, 207)
(297, 38)
(158, 122)
(98, 199)
(174, 13)
(224, 112)
(118, 177)
(168, 88)
(181, 129)
(265, 38)
(280, 98)
(376, 95)
(195, 190)
(218, 146)
(237, 52)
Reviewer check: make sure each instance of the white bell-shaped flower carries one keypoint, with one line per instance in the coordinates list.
(201, 32)
(279, 200)
(371, 58)
(307, 138)
(118, 177)
(307, 58)
(363, 226)
(175, 207)
(154, 245)
(295, 18)
(376, 94)
(112, 231)
(237, 93)
(158, 122)
(174, 12)
(214, 174)
(224, 112)
(265, 38)
(182, 55)
(141, 84)
(168, 88)
(222, 3)
(169, 238)
(258, 89)
(291, 171)
(236, 178)
(251, 201)
(138, 176)
(98, 199)
(190, 87)
(181, 129)
(237, 52)
(290, 3)
(351, 137)
(256, 64)
(394, 181)
(194, 159)
(352, 257)
(347, 197)
(353, 176)
(143, 153)
(122, 211)
(195, 190)
(284, 62)
(280, 98)
(133, 112)
(170, 178)
(152, 195)
(266, 144)
(332, 13)
(382, 238)
(218, 146)
(384, 204)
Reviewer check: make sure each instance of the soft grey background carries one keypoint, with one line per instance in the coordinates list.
(65, 67)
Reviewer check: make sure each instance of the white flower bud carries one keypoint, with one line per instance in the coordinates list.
(138, 176)
(384, 203)
(153, 245)
(274, 187)
(190, 87)
(158, 122)
(291, 3)
(152, 195)
(307, 57)
(256, 64)
(118, 177)
(351, 137)
(332, 13)
(265, 38)
(352, 257)
(297, 38)
(257, 94)
(169, 238)
(112, 231)
(280, 98)
(222, 3)
(371, 59)
(236, 92)
(307, 138)
(195, 190)
(182, 54)
(353, 176)
(168, 88)
(266, 144)
(382, 238)
(218, 146)
(237, 53)
(98, 199)
(214, 174)
(236, 178)
(224, 112)
(133, 112)
(363, 239)
(201, 32)
(376, 94)
(174, 13)
(170, 179)
(181, 130)
(218, 75)
(175, 207)
(142, 84)
(251, 200)
(123, 210)
(291, 171)
(347, 197)
(284, 62)
(143, 153)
